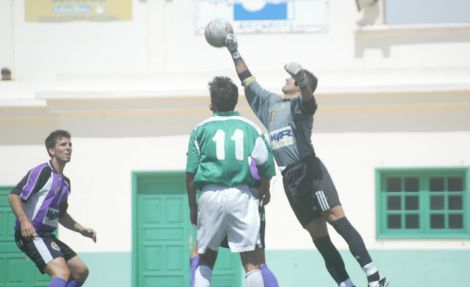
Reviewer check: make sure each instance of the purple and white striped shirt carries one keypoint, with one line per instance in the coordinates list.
(44, 193)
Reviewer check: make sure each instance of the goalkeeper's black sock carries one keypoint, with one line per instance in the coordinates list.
(354, 240)
(333, 261)
(357, 248)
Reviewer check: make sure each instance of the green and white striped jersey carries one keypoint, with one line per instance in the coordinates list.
(220, 147)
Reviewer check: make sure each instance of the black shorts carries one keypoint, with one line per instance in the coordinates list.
(262, 227)
(43, 249)
(309, 189)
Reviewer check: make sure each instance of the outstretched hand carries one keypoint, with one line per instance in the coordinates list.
(27, 230)
(89, 232)
(263, 192)
(297, 72)
(231, 43)
(266, 197)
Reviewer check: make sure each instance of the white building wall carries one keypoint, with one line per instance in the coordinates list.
(100, 172)
(352, 159)
(389, 97)
(159, 48)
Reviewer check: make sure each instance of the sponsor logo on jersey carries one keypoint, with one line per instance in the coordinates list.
(281, 137)
(55, 246)
(52, 217)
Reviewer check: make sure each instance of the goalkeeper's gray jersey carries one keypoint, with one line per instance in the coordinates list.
(289, 123)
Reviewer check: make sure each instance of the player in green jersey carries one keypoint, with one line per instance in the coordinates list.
(220, 152)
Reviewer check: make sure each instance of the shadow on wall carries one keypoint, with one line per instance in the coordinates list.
(33, 131)
(372, 112)
(106, 119)
(330, 118)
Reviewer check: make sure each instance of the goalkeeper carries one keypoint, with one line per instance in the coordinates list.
(307, 184)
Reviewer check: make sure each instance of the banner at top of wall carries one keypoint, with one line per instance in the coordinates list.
(249, 16)
(77, 10)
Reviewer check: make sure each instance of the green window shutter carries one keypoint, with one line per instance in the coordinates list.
(422, 203)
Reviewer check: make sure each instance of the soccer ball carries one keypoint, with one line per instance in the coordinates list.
(216, 30)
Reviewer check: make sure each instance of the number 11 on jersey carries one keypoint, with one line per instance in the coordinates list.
(219, 139)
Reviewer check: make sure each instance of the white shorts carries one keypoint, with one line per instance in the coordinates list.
(228, 211)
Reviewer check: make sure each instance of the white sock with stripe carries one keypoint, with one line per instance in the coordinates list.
(254, 278)
(347, 283)
(202, 276)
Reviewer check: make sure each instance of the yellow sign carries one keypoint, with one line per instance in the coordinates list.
(77, 10)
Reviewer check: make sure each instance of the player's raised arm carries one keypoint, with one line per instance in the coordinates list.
(241, 68)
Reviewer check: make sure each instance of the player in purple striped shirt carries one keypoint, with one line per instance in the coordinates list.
(39, 202)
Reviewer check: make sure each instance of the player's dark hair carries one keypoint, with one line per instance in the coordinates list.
(224, 94)
(54, 136)
(311, 80)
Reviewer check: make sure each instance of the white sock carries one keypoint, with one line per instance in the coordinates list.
(347, 283)
(254, 278)
(202, 276)
(370, 269)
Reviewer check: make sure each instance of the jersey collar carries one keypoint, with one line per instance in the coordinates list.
(53, 169)
(225, 114)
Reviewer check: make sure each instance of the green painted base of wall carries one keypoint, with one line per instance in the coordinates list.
(405, 268)
(108, 269)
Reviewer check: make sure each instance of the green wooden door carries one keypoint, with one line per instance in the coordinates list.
(16, 270)
(163, 235)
